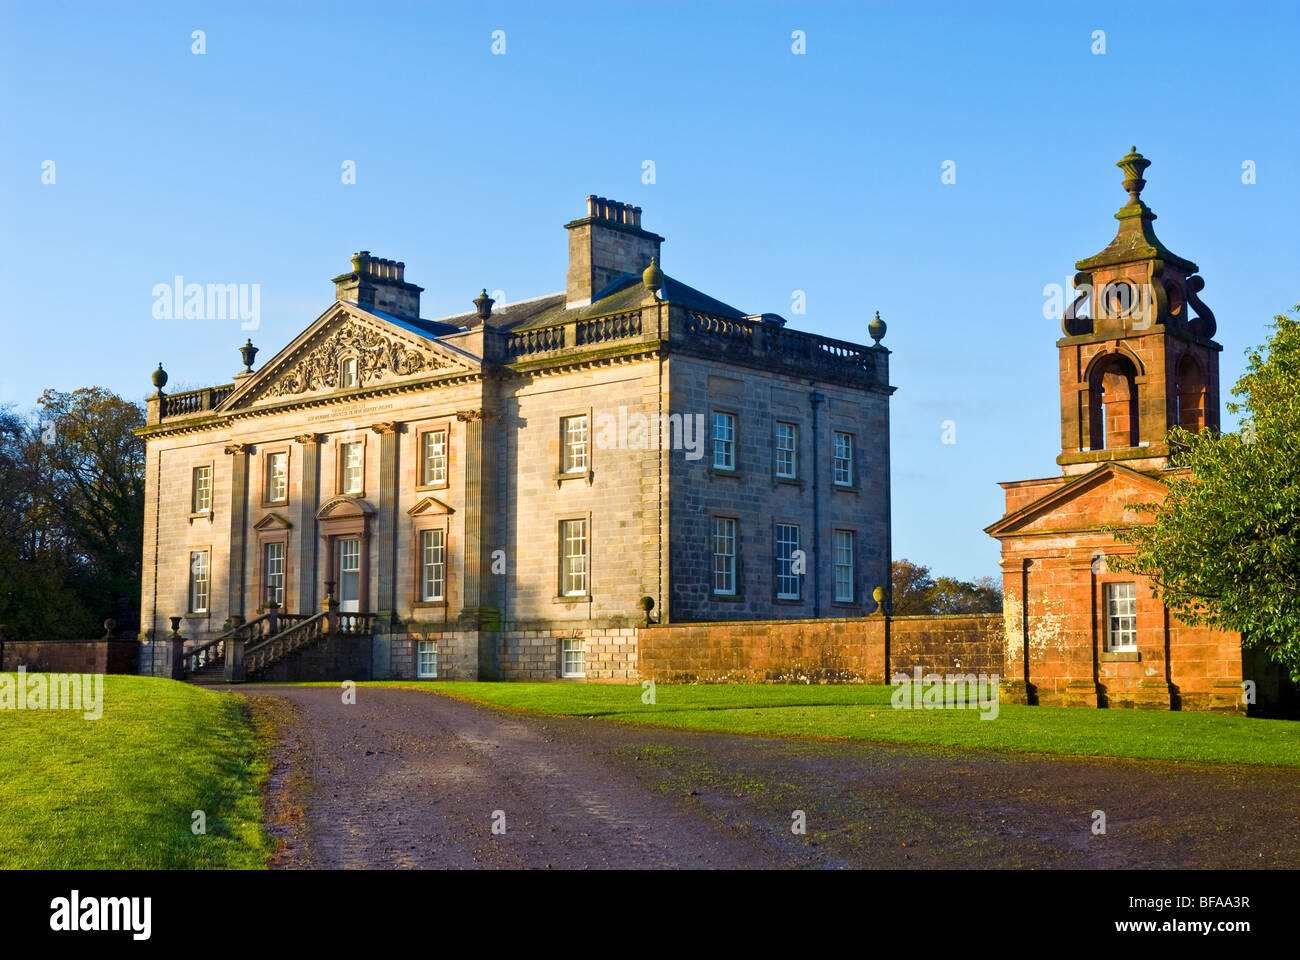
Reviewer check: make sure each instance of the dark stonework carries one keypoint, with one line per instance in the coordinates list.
(386, 525)
(307, 524)
(238, 524)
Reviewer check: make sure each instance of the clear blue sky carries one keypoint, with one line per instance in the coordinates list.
(775, 173)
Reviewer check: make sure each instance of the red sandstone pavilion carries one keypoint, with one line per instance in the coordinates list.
(1078, 633)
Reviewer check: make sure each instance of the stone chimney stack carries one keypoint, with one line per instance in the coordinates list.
(604, 245)
(378, 284)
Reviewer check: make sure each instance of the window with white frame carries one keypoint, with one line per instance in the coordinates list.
(433, 459)
(1121, 616)
(427, 659)
(573, 557)
(843, 551)
(574, 430)
(724, 441)
(842, 459)
(433, 565)
(352, 457)
(198, 581)
(573, 657)
(348, 372)
(724, 556)
(202, 489)
(277, 477)
(789, 580)
(273, 581)
(786, 442)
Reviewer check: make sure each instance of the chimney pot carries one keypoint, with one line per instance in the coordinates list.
(377, 283)
(606, 246)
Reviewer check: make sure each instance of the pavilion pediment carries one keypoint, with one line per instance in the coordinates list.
(1105, 496)
(382, 353)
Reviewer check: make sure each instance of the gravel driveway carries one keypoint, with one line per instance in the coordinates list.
(414, 780)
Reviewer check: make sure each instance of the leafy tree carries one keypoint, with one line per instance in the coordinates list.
(1223, 549)
(72, 514)
(917, 593)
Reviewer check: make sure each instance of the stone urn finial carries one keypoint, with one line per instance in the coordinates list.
(652, 276)
(1134, 165)
(160, 377)
(176, 626)
(876, 328)
(483, 304)
(878, 595)
(109, 626)
(249, 354)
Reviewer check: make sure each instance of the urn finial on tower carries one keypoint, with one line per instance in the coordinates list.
(1134, 166)
(876, 328)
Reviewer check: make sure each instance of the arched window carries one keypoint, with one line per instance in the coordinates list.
(1189, 394)
(1112, 402)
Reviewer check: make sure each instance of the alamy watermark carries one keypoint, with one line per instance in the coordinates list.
(53, 691)
(179, 300)
(640, 431)
(955, 691)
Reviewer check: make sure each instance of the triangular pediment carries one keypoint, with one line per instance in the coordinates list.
(386, 351)
(429, 507)
(1104, 496)
(272, 521)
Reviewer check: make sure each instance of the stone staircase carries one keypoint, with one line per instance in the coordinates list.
(248, 650)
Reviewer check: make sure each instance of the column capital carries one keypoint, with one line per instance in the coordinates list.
(306, 438)
(235, 449)
(469, 416)
(388, 426)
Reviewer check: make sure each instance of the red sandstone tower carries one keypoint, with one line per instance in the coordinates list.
(1137, 358)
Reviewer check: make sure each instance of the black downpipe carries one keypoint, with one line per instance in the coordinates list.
(816, 399)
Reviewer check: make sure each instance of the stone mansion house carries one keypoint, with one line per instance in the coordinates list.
(508, 492)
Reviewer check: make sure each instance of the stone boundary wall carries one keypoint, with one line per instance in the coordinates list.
(951, 644)
(765, 651)
(71, 656)
(820, 651)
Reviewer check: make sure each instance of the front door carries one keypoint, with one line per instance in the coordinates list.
(350, 575)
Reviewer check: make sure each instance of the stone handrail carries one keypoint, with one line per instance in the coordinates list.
(621, 326)
(725, 328)
(528, 342)
(194, 401)
(355, 624)
(261, 655)
(213, 651)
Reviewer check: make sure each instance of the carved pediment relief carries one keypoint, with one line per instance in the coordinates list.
(379, 357)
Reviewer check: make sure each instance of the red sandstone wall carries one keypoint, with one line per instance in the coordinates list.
(818, 651)
(764, 651)
(958, 644)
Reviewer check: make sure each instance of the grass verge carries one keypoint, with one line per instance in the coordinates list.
(120, 792)
(860, 712)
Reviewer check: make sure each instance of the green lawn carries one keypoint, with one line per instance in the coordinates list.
(119, 792)
(859, 712)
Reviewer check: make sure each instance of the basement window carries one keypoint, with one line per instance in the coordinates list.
(427, 665)
(573, 662)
